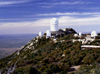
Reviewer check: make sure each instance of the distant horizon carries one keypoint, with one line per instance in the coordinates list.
(20, 34)
(43, 29)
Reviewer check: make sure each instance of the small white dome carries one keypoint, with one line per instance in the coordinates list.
(54, 24)
(75, 35)
(40, 34)
(48, 33)
(93, 34)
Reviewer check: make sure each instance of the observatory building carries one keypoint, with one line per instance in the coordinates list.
(40, 34)
(93, 34)
(75, 35)
(48, 33)
(54, 32)
(54, 24)
(80, 34)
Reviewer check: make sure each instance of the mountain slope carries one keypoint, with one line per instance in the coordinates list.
(46, 56)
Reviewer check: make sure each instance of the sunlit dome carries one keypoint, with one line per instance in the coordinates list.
(48, 33)
(93, 34)
(75, 35)
(40, 34)
(54, 24)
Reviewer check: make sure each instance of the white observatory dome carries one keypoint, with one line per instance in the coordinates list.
(40, 34)
(48, 33)
(93, 34)
(54, 24)
(75, 35)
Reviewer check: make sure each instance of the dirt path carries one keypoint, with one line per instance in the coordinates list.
(73, 69)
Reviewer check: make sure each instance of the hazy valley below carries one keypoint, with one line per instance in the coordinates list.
(11, 43)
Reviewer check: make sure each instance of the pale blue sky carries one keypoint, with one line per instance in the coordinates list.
(32, 16)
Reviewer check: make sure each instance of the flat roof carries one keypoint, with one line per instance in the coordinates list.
(90, 46)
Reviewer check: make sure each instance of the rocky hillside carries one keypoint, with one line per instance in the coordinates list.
(47, 56)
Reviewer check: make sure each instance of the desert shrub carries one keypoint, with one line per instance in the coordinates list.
(27, 62)
(51, 59)
(45, 60)
(63, 72)
(2, 64)
(89, 59)
(76, 37)
(75, 60)
(53, 68)
(42, 68)
(26, 70)
(63, 66)
(97, 37)
(98, 60)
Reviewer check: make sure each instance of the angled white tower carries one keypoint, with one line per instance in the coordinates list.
(54, 24)
(48, 33)
(93, 34)
(40, 34)
(80, 34)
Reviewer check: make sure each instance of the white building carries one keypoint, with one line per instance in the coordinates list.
(18, 52)
(54, 24)
(75, 35)
(48, 33)
(40, 34)
(93, 34)
(80, 34)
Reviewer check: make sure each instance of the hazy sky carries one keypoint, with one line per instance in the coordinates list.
(32, 16)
